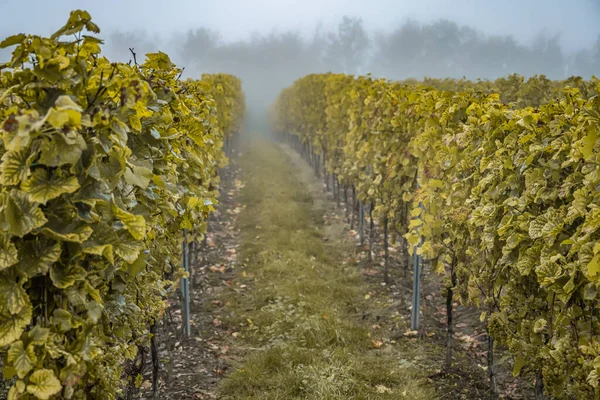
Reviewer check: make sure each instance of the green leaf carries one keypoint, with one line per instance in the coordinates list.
(593, 268)
(65, 276)
(140, 176)
(44, 185)
(8, 373)
(131, 351)
(39, 335)
(21, 358)
(589, 291)
(540, 325)
(12, 40)
(8, 252)
(158, 61)
(16, 391)
(12, 295)
(135, 224)
(14, 167)
(415, 223)
(94, 311)
(76, 232)
(528, 260)
(62, 318)
(526, 122)
(135, 123)
(101, 242)
(37, 256)
(138, 265)
(22, 215)
(129, 250)
(593, 378)
(12, 325)
(67, 103)
(520, 362)
(536, 227)
(62, 149)
(589, 141)
(121, 130)
(43, 384)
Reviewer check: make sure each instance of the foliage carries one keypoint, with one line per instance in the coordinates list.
(102, 166)
(507, 199)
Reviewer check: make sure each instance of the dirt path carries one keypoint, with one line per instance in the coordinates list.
(305, 326)
(286, 305)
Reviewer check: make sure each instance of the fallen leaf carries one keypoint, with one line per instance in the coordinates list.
(220, 269)
(382, 389)
(146, 385)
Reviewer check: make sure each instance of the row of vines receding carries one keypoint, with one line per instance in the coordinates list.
(501, 198)
(103, 164)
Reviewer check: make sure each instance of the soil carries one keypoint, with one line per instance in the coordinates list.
(195, 365)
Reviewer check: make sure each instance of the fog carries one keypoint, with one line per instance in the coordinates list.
(270, 43)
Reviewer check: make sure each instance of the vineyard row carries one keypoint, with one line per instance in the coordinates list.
(103, 164)
(502, 199)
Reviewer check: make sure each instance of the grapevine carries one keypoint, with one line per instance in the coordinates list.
(499, 179)
(103, 164)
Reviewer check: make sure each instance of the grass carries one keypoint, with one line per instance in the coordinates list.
(299, 314)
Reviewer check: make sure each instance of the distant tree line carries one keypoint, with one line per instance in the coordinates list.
(268, 62)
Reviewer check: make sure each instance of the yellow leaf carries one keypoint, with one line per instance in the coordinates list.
(593, 267)
(414, 223)
(589, 141)
(43, 384)
(193, 202)
(135, 123)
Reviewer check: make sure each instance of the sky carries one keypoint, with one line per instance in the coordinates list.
(576, 21)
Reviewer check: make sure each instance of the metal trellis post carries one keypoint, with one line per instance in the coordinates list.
(416, 297)
(185, 287)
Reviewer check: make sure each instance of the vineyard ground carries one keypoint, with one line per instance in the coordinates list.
(192, 368)
(287, 306)
(299, 299)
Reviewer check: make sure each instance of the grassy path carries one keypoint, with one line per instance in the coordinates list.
(297, 301)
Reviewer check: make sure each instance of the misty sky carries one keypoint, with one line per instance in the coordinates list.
(575, 20)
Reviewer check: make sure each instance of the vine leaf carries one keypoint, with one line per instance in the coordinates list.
(63, 277)
(12, 325)
(22, 215)
(14, 167)
(21, 358)
(135, 224)
(8, 252)
(44, 186)
(39, 335)
(62, 149)
(593, 267)
(37, 256)
(139, 176)
(12, 40)
(43, 384)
